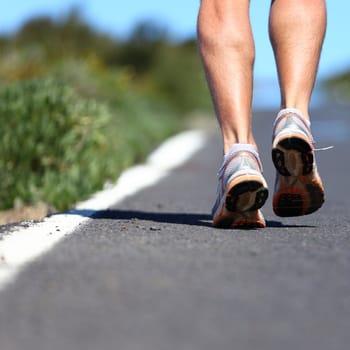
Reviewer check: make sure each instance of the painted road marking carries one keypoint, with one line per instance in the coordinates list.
(20, 247)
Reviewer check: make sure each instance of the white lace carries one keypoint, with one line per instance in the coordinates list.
(323, 148)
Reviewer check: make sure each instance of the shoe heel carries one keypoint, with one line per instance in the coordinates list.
(246, 196)
(293, 156)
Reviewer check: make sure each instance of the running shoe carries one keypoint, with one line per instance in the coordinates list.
(241, 191)
(298, 188)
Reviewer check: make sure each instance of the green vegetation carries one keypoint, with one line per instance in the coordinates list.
(77, 106)
(339, 86)
(49, 142)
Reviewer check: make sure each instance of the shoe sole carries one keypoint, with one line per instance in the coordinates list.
(244, 197)
(300, 191)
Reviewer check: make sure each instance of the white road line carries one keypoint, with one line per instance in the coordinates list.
(23, 246)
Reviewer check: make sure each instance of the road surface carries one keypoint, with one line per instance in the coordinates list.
(152, 274)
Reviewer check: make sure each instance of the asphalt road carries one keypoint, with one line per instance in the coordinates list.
(152, 274)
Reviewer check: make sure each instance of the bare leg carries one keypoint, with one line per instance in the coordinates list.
(227, 48)
(297, 30)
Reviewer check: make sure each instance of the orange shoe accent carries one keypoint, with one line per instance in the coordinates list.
(298, 195)
(244, 220)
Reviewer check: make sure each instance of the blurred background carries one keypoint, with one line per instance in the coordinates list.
(90, 87)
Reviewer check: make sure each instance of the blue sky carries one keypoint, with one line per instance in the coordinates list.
(118, 18)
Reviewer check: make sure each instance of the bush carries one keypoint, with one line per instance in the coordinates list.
(53, 144)
(338, 87)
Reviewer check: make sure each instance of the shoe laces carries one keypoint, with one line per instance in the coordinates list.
(323, 148)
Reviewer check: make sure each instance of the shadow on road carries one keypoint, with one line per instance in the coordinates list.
(191, 219)
(171, 218)
(279, 224)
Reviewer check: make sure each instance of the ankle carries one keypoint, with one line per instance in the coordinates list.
(299, 108)
(238, 140)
